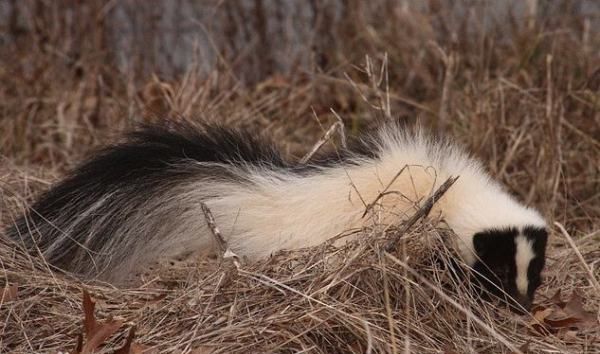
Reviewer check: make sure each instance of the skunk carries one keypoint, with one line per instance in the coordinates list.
(140, 200)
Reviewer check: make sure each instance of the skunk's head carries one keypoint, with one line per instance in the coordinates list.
(509, 262)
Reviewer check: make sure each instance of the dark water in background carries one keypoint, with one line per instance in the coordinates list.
(268, 36)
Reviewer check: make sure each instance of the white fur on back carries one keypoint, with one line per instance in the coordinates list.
(276, 210)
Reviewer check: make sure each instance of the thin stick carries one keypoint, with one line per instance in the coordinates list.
(549, 102)
(586, 266)
(223, 246)
(369, 349)
(341, 128)
(421, 213)
(384, 192)
(450, 63)
(321, 142)
(212, 225)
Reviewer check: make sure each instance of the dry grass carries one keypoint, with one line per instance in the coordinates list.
(525, 100)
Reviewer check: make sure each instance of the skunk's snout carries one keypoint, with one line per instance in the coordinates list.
(521, 304)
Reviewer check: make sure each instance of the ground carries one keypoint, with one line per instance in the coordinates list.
(523, 97)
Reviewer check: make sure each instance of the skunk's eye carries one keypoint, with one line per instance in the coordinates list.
(503, 275)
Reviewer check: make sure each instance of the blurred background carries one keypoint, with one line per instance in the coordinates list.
(260, 38)
(516, 81)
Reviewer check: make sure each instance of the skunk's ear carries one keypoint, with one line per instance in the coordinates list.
(538, 235)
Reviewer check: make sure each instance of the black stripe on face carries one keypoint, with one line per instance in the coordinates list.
(539, 239)
(495, 271)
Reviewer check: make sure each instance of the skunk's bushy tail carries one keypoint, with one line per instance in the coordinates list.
(127, 205)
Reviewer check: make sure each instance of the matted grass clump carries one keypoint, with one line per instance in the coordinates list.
(358, 298)
(523, 96)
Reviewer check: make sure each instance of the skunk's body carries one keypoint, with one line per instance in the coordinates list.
(141, 200)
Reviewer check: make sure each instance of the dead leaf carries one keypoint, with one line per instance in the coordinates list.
(126, 348)
(540, 316)
(89, 320)
(104, 331)
(9, 293)
(574, 308)
(563, 317)
(79, 344)
(557, 320)
(96, 332)
(556, 298)
(142, 349)
(130, 347)
(538, 323)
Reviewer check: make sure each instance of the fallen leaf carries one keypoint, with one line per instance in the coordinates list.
(89, 320)
(79, 344)
(9, 293)
(566, 318)
(574, 308)
(95, 332)
(142, 349)
(100, 334)
(560, 319)
(558, 313)
(538, 323)
(556, 298)
(567, 322)
(540, 316)
(126, 348)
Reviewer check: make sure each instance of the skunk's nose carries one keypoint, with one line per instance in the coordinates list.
(521, 304)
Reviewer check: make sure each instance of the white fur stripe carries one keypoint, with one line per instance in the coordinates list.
(523, 256)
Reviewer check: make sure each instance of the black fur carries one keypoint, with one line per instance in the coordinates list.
(147, 163)
(496, 269)
(151, 158)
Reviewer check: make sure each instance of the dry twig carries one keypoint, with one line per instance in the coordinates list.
(421, 213)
